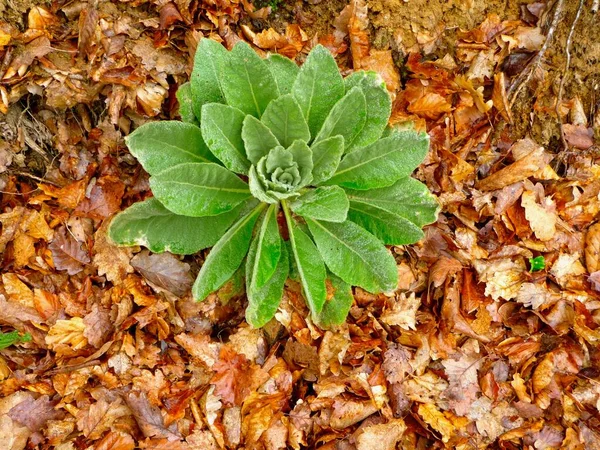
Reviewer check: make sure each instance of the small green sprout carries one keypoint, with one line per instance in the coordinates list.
(536, 264)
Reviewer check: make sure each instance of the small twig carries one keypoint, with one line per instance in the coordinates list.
(525, 76)
(566, 72)
(36, 178)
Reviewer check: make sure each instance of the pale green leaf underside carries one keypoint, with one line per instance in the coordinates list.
(379, 107)
(267, 251)
(318, 87)
(247, 81)
(150, 224)
(284, 71)
(186, 104)
(338, 303)
(222, 132)
(323, 203)
(263, 302)
(285, 119)
(162, 145)
(326, 158)
(346, 118)
(226, 256)
(258, 139)
(206, 76)
(383, 162)
(355, 255)
(199, 189)
(408, 198)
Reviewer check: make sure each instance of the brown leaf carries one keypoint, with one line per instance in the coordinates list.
(164, 270)
(149, 418)
(98, 325)
(99, 417)
(67, 333)
(436, 420)
(67, 252)
(116, 440)
(347, 413)
(541, 218)
(592, 248)
(402, 312)
(35, 413)
(431, 106)
(111, 260)
(169, 14)
(444, 268)
(383, 436)
(499, 97)
(464, 382)
(233, 377)
(104, 199)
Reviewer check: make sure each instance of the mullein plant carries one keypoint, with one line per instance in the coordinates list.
(266, 146)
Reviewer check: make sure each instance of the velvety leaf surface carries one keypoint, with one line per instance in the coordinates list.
(198, 190)
(355, 255)
(226, 256)
(347, 118)
(338, 302)
(161, 145)
(383, 162)
(222, 132)
(318, 87)
(379, 107)
(267, 250)
(284, 72)
(205, 80)
(326, 158)
(247, 81)
(186, 104)
(323, 203)
(258, 138)
(285, 119)
(150, 224)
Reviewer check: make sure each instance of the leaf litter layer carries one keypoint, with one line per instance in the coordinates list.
(473, 350)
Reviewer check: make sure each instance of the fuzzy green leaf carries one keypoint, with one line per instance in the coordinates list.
(263, 302)
(206, 76)
(247, 81)
(198, 190)
(379, 107)
(222, 131)
(303, 156)
(408, 198)
(262, 265)
(150, 224)
(309, 266)
(318, 87)
(11, 338)
(326, 158)
(226, 256)
(323, 203)
(284, 71)
(258, 139)
(285, 119)
(389, 228)
(347, 117)
(383, 162)
(338, 303)
(162, 145)
(355, 255)
(186, 104)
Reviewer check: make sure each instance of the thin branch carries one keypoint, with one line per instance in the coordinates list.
(566, 72)
(525, 77)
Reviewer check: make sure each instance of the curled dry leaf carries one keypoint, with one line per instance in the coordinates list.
(436, 420)
(402, 312)
(592, 248)
(164, 270)
(384, 436)
(68, 333)
(541, 218)
(67, 252)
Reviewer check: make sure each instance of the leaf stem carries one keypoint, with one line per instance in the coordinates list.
(288, 220)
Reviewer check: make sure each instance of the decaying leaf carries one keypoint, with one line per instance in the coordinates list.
(164, 270)
(402, 312)
(67, 253)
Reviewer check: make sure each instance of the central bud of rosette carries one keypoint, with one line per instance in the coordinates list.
(282, 172)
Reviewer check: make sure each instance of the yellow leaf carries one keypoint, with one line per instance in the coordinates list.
(67, 332)
(16, 290)
(541, 218)
(436, 420)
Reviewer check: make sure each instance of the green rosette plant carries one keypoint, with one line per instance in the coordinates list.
(268, 149)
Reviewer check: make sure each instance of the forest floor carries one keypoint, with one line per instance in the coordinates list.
(492, 337)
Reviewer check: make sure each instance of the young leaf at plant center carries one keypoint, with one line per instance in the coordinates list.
(186, 104)
(11, 338)
(263, 302)
(388, 227)
(222, 131)
(303, 156)
(150, 224)
(338, 303)
(161, 145)
(309, 265)
(326, 158)
(323, 203)
(355, 255)
(247, 81)
(284, 71)
(226, 255)
(285, 119)
(346, 118)
(205, 81)
(258, 139)
(407, 198)
(379, 107)
(262, 265)
(382, 163)
(318, 87)
(198, 190)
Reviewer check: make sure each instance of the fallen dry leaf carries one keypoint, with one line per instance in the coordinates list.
(35, 413)
(164, 270)
(541, 218)
(149, 418)
(592, 248)
(67, 253)
(384, 436)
